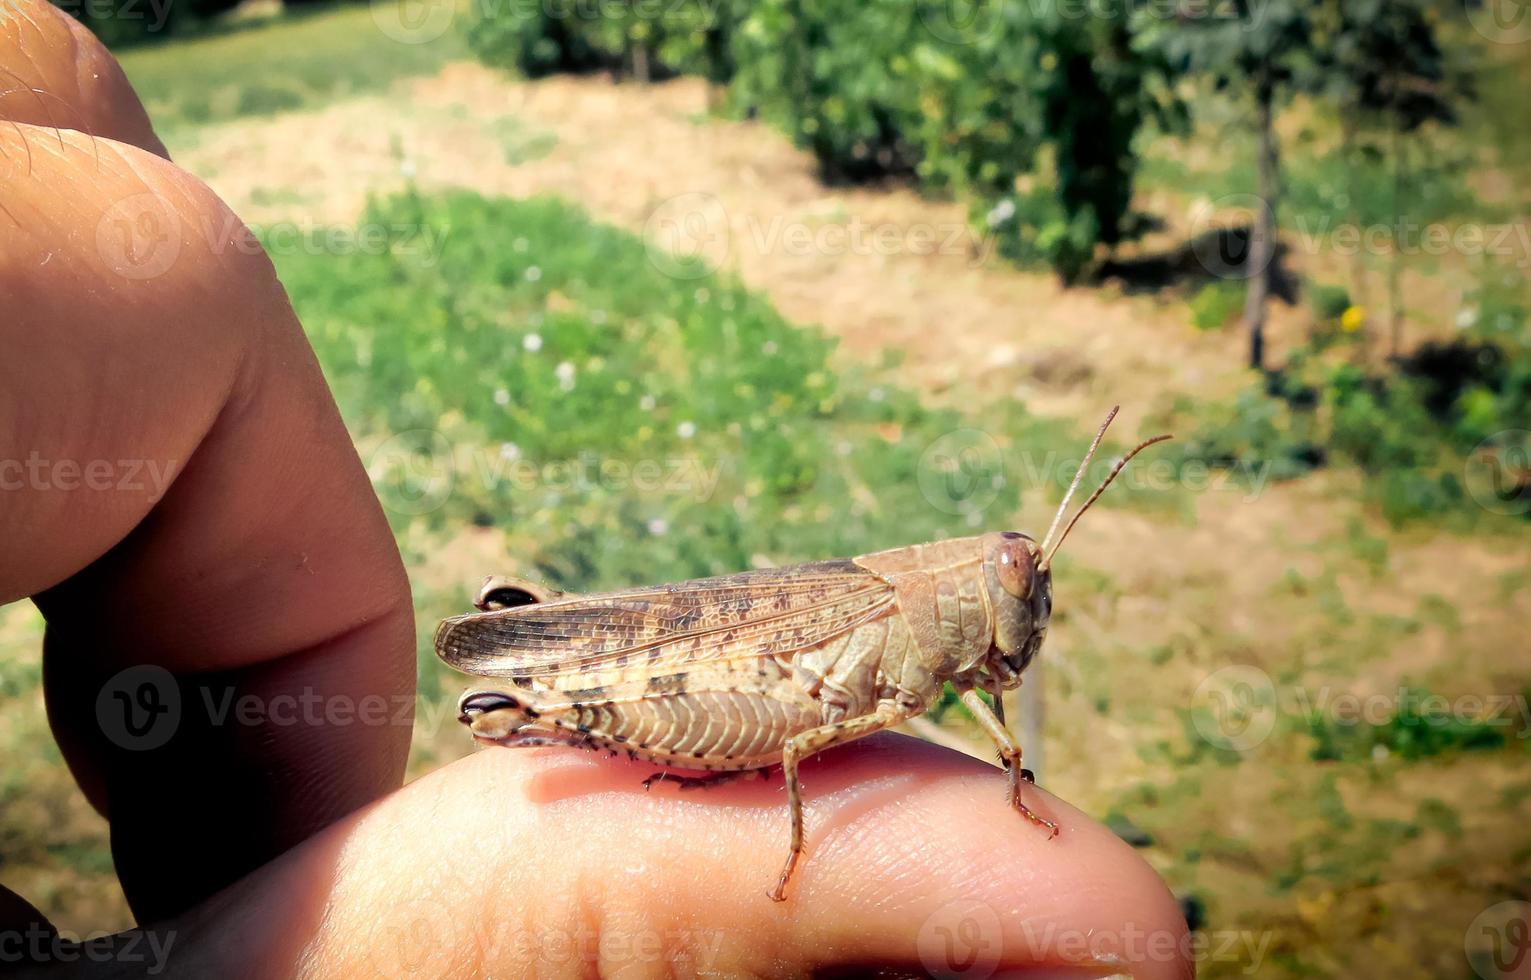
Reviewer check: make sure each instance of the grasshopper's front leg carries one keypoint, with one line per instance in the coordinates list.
(1010, 751)
(805, 744)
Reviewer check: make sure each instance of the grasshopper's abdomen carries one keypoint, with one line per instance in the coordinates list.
(709, 721)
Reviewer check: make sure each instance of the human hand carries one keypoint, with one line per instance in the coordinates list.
(140, 328)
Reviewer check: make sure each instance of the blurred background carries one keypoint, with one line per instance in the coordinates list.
(613, 293)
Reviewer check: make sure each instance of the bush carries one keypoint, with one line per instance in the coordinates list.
(1410, 431)
(971, 99)
(639, 39)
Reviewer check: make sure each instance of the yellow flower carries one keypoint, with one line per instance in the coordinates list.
(1352, 319)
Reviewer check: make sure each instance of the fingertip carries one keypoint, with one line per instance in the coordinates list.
(68, 79)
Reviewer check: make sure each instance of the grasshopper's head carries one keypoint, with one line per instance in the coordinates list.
(1018, 572)
(1020, 586)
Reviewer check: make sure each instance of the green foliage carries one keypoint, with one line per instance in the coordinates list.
(540, 39)
(540, 360)
(1411, 431)
(969, 98)
(1216, 303)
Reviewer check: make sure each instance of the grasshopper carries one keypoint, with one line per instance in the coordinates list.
(743, 672)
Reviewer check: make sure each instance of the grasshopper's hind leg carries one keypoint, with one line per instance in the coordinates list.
(1010, 750)
(805, 744)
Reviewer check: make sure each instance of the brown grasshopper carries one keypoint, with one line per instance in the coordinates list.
(747, 671)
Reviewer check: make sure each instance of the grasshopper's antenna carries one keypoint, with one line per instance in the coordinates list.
(1047, 555)
(1078, 475)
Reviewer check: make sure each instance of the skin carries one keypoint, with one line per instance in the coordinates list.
(267, 567)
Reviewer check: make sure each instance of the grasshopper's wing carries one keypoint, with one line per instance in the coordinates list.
(774, 611)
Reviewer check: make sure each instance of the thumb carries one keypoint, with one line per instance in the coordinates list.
(560, 863)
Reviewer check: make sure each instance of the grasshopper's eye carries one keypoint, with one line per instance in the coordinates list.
(1014, 569)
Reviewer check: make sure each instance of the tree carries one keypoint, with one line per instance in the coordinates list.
(1263, 48)
(1381, 62)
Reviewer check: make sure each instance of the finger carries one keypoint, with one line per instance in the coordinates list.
(54, 73)
(560, 862)
(180, 491)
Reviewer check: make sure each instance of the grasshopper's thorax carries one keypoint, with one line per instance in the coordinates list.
(976, 608)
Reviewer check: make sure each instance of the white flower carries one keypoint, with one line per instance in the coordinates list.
(1466, 318)
(533, 273)
(407, 169)
(768, 348)
(658, 526)
(564, 372)
(501, 396)
(646, 403)
(1000, 213)
(686, 430)
(532, 342)
(876, 395)
(510, 452)
(519, 245)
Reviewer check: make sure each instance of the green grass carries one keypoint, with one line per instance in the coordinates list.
(296, 62)
(540, 339)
